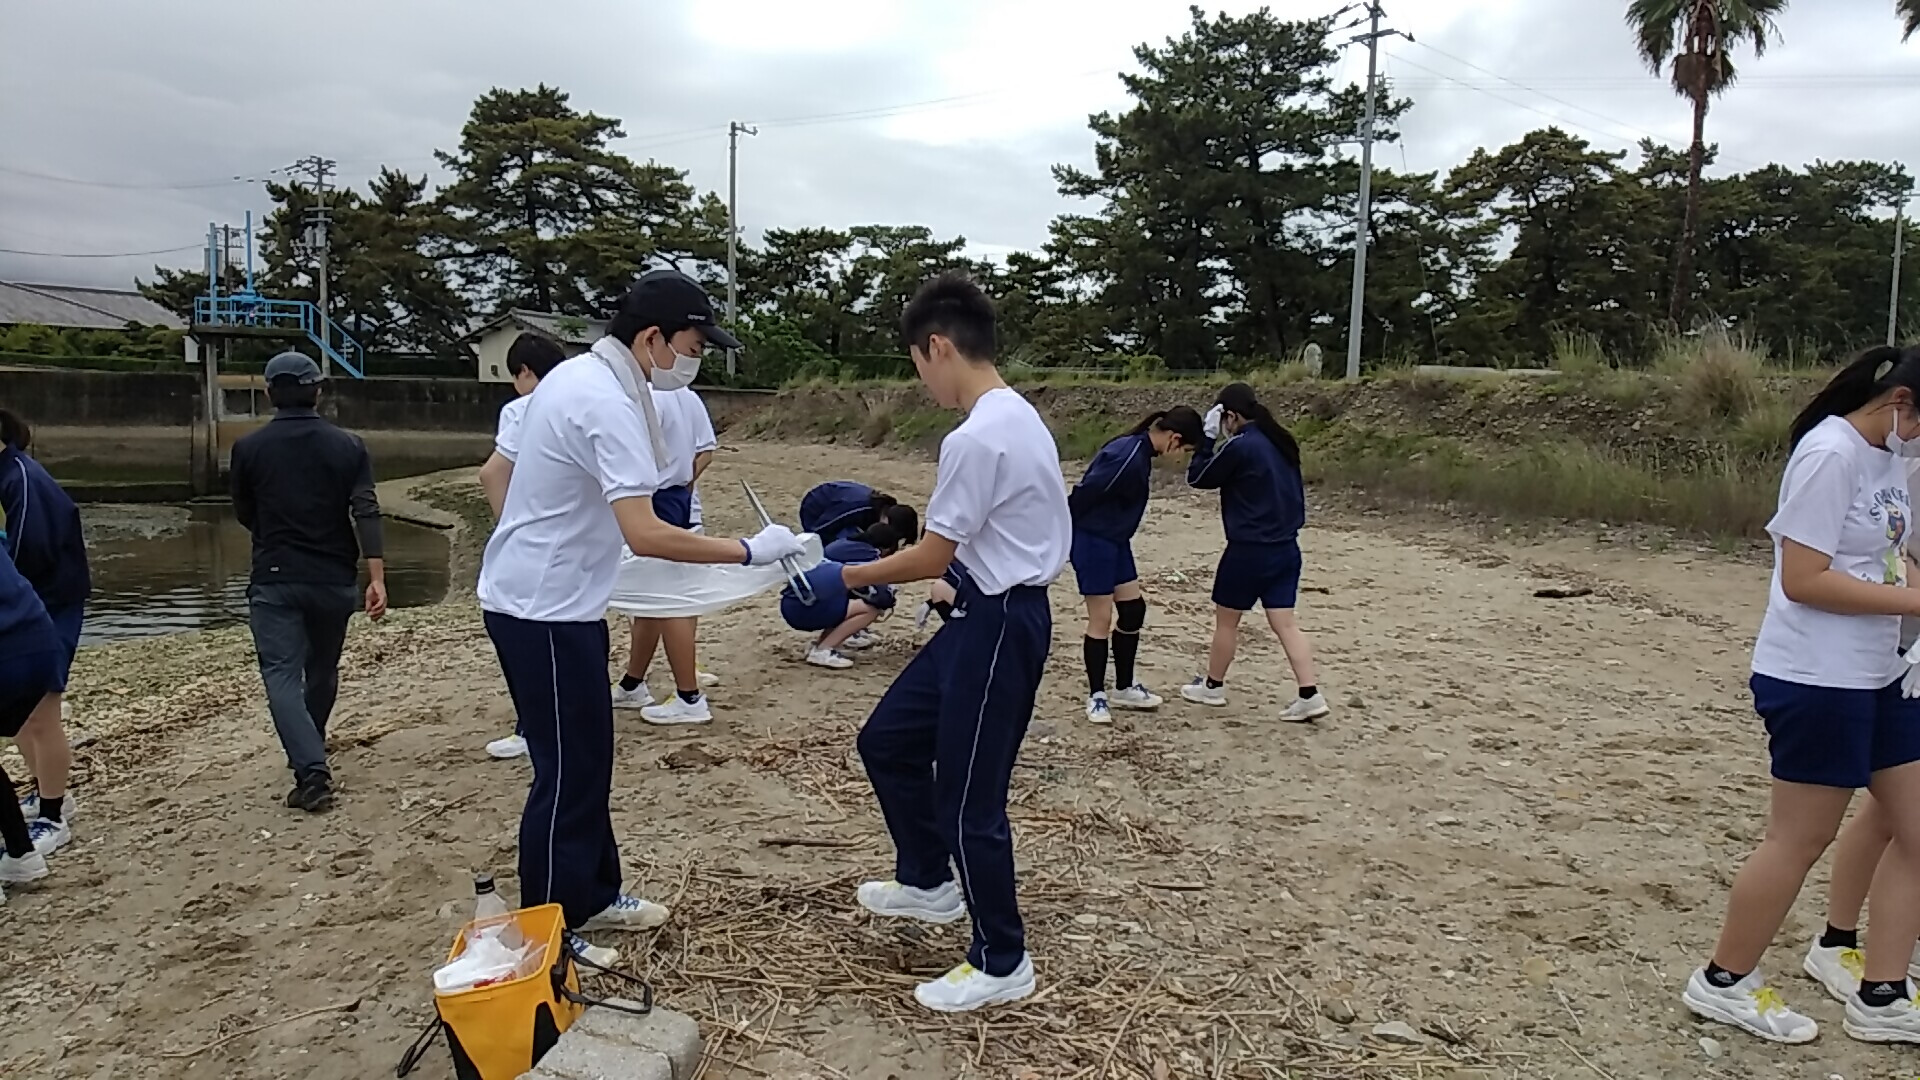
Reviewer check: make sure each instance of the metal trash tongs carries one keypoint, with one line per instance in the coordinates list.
(795, 576)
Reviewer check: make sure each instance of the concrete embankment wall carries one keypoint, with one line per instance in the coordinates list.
(100, 431)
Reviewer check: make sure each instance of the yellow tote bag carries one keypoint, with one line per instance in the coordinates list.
(499, 1031)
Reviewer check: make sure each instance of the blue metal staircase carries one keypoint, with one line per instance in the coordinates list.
(251, 312)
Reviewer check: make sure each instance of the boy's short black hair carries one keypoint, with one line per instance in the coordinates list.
(953, 307)
(535, 352)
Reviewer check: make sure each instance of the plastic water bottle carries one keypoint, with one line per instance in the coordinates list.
(491, 916)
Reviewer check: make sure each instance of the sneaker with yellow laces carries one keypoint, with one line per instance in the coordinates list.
(967, 988)
(1837, 968)
(1895, 1022)
(1750, 1005)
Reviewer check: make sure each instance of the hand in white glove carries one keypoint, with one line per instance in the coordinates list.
(1211, 425)
(1910, 682)
(771, 544)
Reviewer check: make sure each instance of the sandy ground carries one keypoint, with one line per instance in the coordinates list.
(1514, 836)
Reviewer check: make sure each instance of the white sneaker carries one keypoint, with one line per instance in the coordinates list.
(941, 905)
(591, 953)
(1097, 712)
(676, 711)
(828, 658)
(1136, 697)
(1750, 1005)
(861, 639)
(1895, 1023)
(967, 988)
(29, 867)
(637, 698)
(30, 809)
(1200, 693)
(1306, 710)
(629, 913)
(1837, 969)
(706, 679)
(512, 746)
(49, 836)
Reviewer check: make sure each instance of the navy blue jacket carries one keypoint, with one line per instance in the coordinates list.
(44, 538)
(837, 508)
(1263, 500)
(1111, 498)
(24, 625)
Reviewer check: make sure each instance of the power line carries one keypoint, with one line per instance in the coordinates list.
(98, 254)
(122, 186)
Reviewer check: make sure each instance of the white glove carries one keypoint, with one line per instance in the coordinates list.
(771, 544)
(1211, 425)
(1910, 682)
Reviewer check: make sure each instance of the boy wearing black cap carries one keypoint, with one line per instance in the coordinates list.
(304, 489)
(588, 465)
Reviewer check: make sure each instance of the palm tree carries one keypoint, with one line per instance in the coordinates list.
(1909, 12)
(1697, 37)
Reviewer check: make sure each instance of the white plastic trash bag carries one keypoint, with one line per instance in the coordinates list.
(650, 588)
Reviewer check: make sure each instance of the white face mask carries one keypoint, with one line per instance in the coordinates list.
(1906, 448)
(679, 376)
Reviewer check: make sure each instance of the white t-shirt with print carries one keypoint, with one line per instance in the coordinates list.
(506, 440)
(1910, 626)
(584, 445)
(1845, 498)
(1000, 497)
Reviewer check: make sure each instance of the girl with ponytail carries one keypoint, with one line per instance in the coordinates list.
(1826, 683)
(1107, 505)
(1263, 503)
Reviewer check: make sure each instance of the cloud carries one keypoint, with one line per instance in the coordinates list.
(887, 111)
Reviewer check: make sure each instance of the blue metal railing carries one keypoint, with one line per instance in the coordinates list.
(250, 309)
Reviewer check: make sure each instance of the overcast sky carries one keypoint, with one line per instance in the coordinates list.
(882, 111)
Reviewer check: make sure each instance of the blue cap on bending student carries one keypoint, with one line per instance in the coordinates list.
(840, 508)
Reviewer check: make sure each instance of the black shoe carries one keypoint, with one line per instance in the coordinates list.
(314, 795)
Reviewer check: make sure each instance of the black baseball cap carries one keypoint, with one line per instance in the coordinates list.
(670, 300)
(297, 366)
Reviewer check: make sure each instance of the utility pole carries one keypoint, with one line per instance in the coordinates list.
(1361, 216)
(1893, 298)
(318, 222)
(734, 130)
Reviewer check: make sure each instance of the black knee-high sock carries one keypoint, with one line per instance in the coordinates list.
(1096, 653)
(1125, 647)
(13, 825)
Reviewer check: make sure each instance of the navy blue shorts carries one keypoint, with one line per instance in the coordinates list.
(26, 676)
(825, 613)
(66, 623)
(1832, 737)
(1266, 574)
(1101, 564)
(674, 506)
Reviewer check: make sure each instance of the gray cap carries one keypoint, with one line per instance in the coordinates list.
(297, 366)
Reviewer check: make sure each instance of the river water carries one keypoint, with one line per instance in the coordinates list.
(167, 569)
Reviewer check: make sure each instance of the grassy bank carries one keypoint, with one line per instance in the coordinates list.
(1694, 444)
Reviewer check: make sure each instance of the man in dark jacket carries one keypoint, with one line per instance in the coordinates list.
(304, 489)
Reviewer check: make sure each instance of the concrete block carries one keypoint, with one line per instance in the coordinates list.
(662, 1031)
(582, 1057)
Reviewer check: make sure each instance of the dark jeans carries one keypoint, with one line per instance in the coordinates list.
(298, 631)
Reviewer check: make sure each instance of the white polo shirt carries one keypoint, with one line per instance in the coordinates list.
(506, 439)
(1001, 497)
(687, 430)
(583, 444)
